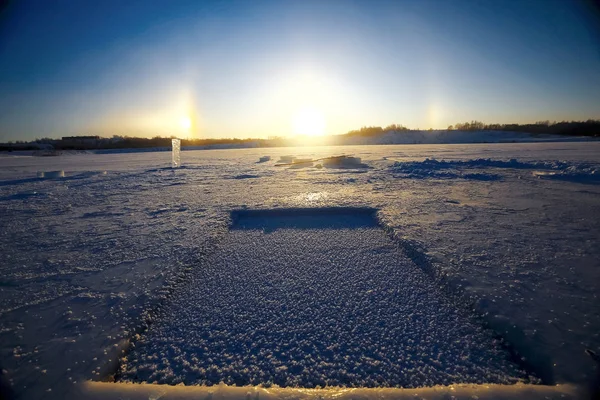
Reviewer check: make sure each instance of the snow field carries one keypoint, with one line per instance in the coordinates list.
(442, 169)
(88, 258)
(295, 299)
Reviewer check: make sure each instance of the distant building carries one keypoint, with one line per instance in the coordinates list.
(87, 141)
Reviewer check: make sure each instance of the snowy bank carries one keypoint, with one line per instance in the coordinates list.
(108, 391)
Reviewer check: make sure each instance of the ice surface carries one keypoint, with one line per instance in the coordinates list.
(442, 169)
(339, 162)
(286, 159)
(344, 162)
(330, 218)
(51, 174)
(89, 259)
(299, 163)
(314, 298)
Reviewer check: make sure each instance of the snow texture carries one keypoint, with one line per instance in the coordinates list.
(106, 391)
(90, 260)
(344, 162)
(431, 168)
(308, 298)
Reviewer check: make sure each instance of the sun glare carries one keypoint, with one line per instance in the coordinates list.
(185, 123)
(309, 122)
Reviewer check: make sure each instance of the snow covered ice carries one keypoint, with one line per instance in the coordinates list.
(506, 233)
(303, 299)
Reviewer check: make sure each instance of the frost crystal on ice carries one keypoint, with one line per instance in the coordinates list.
(176, 144)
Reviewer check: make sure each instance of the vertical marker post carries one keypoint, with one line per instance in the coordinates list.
(176, 145)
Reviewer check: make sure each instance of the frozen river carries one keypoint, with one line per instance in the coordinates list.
(507, 232)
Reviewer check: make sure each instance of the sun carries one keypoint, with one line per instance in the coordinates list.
(185, 123)
(308, 122)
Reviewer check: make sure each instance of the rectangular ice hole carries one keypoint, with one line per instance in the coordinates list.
(304, 218)
(314, 297)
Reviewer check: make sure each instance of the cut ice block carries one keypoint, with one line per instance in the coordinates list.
(176, 144)
(51, 174)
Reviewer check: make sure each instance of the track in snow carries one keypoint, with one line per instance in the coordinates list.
(314, 298)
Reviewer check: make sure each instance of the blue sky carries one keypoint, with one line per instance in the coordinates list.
(254, 68)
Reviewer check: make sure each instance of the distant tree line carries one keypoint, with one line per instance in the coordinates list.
(127, 142)
(591, 127)
(377, 130)
(119, 142)
(18, 145)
